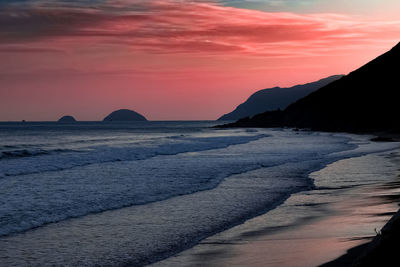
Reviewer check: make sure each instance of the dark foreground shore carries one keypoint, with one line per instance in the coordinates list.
(381, 251)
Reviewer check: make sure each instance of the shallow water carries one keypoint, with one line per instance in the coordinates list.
(352, 201)
(115, 194)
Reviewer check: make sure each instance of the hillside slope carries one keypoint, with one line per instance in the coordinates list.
(275, 98)
(363, 101)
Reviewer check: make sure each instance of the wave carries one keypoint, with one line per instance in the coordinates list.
(22, 162)
(23, 146)
(20, 153)
(33, 200)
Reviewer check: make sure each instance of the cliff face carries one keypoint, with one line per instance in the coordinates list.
(275, 98)
(125, 115)
(365, 100)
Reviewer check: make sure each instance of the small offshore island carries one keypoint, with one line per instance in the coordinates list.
(67, 119)
(125, 115)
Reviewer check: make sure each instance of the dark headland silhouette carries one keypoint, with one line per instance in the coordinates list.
(67, 119)
(125, 115)
(275, 98)
(366, 100)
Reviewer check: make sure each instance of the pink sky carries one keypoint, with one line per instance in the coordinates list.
(170, 60)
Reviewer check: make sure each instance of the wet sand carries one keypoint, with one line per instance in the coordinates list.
(381, 251)
(353, 200)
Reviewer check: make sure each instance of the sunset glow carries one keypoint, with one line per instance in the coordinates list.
(174, 60)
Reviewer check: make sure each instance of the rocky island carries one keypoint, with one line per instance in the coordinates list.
(125, 115)
(67, 119)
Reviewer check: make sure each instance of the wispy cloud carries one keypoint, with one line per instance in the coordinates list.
(172, 26)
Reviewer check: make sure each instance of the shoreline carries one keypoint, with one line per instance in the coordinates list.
(381, 251)
(254, 244)
(141, 234)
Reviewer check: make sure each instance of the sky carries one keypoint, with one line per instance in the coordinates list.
(176, 59)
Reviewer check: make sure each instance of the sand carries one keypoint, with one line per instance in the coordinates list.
(323, 223)
(381, 251)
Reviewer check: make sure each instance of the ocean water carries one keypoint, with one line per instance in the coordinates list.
(135, 193)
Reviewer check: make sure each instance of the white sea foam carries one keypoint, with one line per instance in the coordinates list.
(35, 199)
(35, 160)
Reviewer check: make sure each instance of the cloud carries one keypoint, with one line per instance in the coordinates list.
(24, 49)
(172, 26)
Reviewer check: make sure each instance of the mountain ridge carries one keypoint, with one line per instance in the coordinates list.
(275, 98)
(365, 100)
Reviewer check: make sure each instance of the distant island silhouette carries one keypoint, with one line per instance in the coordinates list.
(125, 115)
(366, 100)
(67, 119)
(275, 98)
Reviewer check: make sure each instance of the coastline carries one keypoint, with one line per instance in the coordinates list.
(140, 234)
(306, 241)
(381, 251)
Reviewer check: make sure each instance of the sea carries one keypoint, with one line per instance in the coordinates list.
(135, 193)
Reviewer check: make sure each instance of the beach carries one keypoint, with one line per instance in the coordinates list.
(324, 222)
